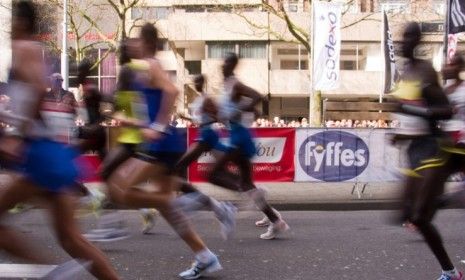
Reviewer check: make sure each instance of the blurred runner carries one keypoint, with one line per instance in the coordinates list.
(155, 159)
(423, 104)
(48, 168)
(205, 113)
(238, 112)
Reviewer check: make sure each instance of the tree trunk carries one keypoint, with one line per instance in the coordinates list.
(315, 109)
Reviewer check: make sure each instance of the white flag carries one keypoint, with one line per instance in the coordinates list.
(326, 44)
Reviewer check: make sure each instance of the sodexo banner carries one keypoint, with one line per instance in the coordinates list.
(344, 155)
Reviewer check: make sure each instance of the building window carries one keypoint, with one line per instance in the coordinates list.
(194, 9)
(395, 7)
(293, 64)
(162, 45)
(349, 6)
(439, 7)
(255, 50)
(220, 49)
(147, 12)
(194, 67)
(104, 75)
(348, 65)
(292, 51)
(293, 6)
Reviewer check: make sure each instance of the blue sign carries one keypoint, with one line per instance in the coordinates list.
(333, 156)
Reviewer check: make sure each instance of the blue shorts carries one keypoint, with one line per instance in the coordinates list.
(211, 138)
(240, 138)
(50, 165)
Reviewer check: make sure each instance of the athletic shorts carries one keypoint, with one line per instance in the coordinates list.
(168, 159)
(425, 152)
(115, 158)
(241, 138)
(211, 138)
(49, 164)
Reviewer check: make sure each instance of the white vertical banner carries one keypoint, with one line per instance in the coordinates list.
(326, 44)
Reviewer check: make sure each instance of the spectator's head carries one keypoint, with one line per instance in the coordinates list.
(276, 120)
(451, 71)
(56, 81)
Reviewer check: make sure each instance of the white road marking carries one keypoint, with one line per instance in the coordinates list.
(34, 271)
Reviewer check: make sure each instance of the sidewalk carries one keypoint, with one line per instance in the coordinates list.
(311, 196)
(319, 196)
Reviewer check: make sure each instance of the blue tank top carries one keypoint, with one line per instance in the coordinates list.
(172, 141)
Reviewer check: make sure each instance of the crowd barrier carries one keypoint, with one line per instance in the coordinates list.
(309, 155)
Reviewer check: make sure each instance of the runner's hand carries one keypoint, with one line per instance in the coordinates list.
(11, 147)
(150, 134)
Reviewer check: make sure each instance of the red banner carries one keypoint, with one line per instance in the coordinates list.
(273, 162)
(89, 166)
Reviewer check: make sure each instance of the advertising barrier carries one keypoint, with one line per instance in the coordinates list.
(273, 162)
(335, 155)
(300, 155)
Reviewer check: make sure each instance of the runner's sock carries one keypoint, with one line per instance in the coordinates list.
(204, 256)
(451, 273)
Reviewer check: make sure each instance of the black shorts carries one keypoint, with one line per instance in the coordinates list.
(426, 152)
(116, 157)
(168, 159)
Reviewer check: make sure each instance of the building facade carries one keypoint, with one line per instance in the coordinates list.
(272, 61)
(198, 33)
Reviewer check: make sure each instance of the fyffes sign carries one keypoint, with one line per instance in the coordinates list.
(333, 156)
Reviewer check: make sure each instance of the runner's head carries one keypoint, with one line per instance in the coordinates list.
(230, 63)
(451, 71)
(23, 24)
(410, 39)
(149, 38)
(129, 49)
(199, 81)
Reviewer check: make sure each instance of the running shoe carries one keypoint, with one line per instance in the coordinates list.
(227, 219)
(20, 208)
(265, 221)
(445, 276)
(275, 229)
(93, 202)
(68, 270)
(149, 217)
(199, 269)
(107, 235)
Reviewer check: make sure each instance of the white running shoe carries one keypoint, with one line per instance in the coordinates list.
(227, 218)
(265, 221)
(72, 269)
(149, 217)
(275, 229)
(199, 269)
(107, 235)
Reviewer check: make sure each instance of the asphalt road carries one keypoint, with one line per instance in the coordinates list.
(320, 245)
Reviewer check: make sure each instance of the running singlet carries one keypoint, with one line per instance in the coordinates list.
(409, 92)
(129, 103)
(240, 136)
(230, 110)
(170, 142)
(198, 116)
(457, 123)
